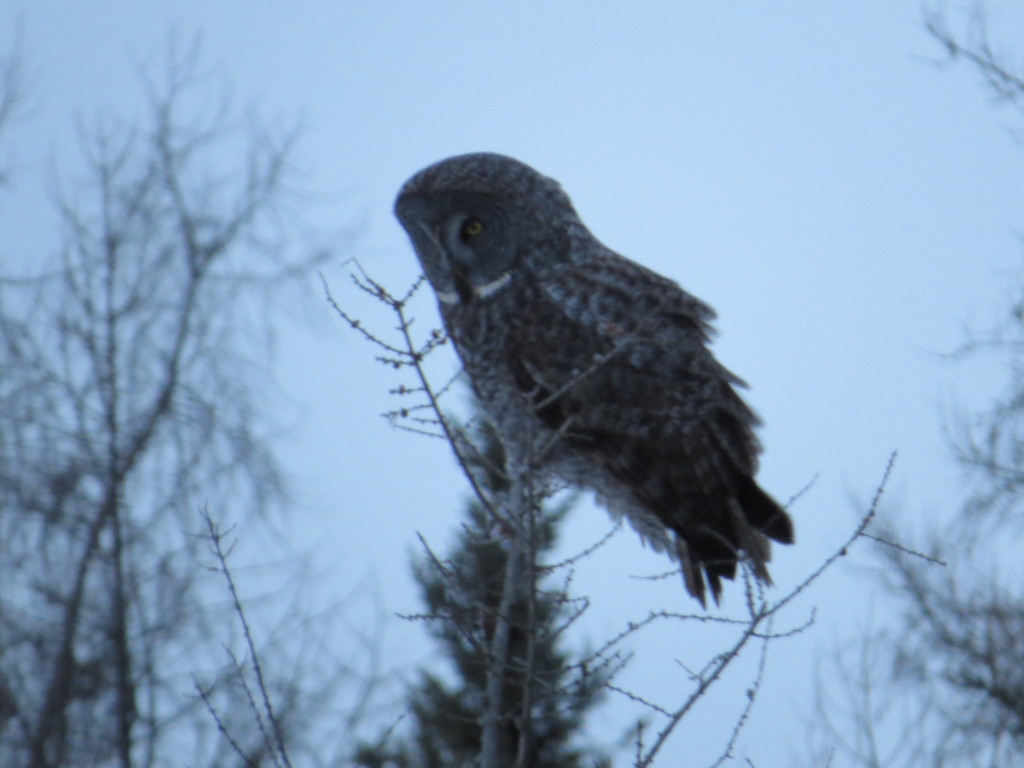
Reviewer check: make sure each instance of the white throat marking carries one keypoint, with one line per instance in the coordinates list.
(481, 292)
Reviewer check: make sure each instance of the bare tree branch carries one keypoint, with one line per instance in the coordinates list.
(12, 88)
(128, 400)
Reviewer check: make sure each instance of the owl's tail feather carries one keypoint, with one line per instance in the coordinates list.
(763, 512)
(693, 574)
(708, 555)
(705, 556)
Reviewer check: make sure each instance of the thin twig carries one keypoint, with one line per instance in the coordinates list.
(216, 538)
(235, 746)
(906, 550)
(752, 692)
(719, 666)
(858, 533)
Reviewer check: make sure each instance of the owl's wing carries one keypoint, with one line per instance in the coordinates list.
(615, 356)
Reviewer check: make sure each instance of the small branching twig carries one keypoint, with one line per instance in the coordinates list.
(799, 494)
(204, 694)
(706, 681)
(639, 700)
(906, 550)
(793, 631)
(1004, 83)
(752, 692)
(639, 742)
(760, 612)
(582, 554)
(408, 354)
(843, 550)
(276, 744)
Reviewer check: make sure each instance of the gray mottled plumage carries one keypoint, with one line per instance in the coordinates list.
(603, 360)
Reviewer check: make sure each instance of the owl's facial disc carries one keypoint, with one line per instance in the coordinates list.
(477, 260)
(464, 242)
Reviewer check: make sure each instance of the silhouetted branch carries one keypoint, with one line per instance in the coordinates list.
(126, 401)
(980, 52)
(12, 86)
(275, 738)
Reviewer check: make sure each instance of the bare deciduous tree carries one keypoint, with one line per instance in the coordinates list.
(128, 401)
(945, 686)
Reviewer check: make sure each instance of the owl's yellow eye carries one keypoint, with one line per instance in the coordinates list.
(471, 227)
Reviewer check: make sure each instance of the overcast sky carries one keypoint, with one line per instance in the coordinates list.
(846, 205)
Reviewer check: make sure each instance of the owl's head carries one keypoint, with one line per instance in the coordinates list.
(478, 220)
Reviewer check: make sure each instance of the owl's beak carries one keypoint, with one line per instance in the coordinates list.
(431, 240)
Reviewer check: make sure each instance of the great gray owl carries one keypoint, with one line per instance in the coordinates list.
(571, 346)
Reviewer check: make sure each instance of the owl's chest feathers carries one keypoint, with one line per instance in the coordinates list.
(484, 336)
(480, 330)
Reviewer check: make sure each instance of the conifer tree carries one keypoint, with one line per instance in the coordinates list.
(548, 690)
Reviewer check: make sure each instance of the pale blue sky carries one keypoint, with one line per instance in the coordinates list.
(844, 204)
